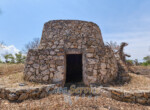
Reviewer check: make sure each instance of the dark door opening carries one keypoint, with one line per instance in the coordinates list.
(74, 68)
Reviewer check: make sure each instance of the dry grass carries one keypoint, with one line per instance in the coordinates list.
(13, 81)
(143, 70)
(142, 67)
(11, 75)
(6, 69)
(61, 102)
(138, 82)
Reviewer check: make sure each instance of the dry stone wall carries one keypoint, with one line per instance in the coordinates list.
(45, 66)
(62, 37)
(21, 94)
(138, 96)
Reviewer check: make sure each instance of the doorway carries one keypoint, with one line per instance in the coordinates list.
(73, 68)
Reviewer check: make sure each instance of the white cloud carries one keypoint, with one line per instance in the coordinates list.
(8, 50)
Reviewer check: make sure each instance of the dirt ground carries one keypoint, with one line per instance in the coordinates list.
(62, 102)
(138, 82)
(67, 102)
(144, 70)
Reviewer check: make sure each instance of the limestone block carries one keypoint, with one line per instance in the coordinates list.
(52, 53)
(43, 67)
(103, 72)
(51, 75)
(45, 78)
(59, 62)
(89, 54)
(32, 78)
(56, 42)
(23, 96)
(103, 66)
(92, 61)
(52, 65)
(46, 72)
(32, 58)
(91, 50)
(95, 72)
(37, 71)
(12, 96)
(30, 62)
(60, 68)
(92, 79)
(89, 69)
(52, 69)
(141, 100)
(36, 65)
(32, 70)
(54, 46)
(58, 76)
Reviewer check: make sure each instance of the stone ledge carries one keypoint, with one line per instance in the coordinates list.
(140, 96)
(21, 94)
(26, 93)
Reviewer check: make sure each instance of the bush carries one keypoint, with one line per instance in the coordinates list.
(18, 58)
(145, 64)
(130, 62)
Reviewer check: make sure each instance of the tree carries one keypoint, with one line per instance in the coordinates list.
(7, 57)
(130, 62)
(12, 58)
(114, 46)
(32, 45)
(20, 58)
(136, 62)
(147, 59)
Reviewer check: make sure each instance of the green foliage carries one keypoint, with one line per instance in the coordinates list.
(9, 58)
(146, 61)
(20, 58)
(145, 64)
(12, 59)
(130, 62)
(1, 61)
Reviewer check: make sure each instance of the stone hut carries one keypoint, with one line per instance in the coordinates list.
(71, 51)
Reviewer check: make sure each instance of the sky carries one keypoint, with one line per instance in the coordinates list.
(119, 21)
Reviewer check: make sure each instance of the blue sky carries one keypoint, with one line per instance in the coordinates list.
(119, 20)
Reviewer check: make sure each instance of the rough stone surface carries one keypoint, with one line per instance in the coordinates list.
(141, 97)
(60, 37)
(26, 93)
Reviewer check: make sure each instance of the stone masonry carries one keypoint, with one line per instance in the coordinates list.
(47, 64)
